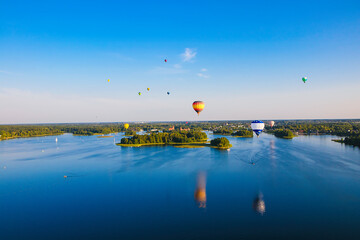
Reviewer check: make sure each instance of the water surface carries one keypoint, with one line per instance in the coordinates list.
(264, 188)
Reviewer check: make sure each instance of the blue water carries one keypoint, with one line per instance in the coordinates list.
(264, 188)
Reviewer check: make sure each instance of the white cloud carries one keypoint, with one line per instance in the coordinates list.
(177, 66)
(188, 55)
(203, 70)
(203, 75)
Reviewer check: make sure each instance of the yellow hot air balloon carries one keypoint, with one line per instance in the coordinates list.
(198, 106)
(108, 80)
(148, 89)
(126, 126)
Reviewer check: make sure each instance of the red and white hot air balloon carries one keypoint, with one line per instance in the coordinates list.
(272, 123)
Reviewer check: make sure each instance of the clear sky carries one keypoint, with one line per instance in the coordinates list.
(244, 59)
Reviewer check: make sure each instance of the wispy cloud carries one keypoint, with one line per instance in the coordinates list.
(177, 66)
(119, 56)
(167, 71)
(188, 55)
(203, 75)
(5, 72)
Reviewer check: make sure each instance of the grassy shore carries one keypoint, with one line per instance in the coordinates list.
(105, 136)
(222, 148)
(177, 145)
(42, 135)
(242, 136)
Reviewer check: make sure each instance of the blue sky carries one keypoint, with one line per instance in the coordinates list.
(245, 59)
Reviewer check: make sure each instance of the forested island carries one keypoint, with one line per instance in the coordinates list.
(355, 141)
(164, 138)
(283, 133)
(220, 143)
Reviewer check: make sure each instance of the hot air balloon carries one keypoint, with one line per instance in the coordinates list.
(257, 127)
(168, 93)
(108, 80)
(304, 79)
(272, 123)
(259, 204)
(148, 89)
(165, 60)
(139, 93)
(126, 126)
(200, 191)
(198, 106)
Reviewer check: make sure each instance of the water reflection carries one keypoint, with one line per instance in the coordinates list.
(200, 191)
(259, 204)
(272, 152)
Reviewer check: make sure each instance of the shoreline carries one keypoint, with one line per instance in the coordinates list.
(177, 145)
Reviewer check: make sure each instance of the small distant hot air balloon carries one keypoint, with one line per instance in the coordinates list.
(272, 123)
(108, 80)
(148, 89)
(257, 127)
(165, 60)
(126, 126)
(139, 93)
(304, 79)
(168, 93)
(198, 106)
(186, 122)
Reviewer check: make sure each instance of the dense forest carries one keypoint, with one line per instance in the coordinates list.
(333, 128)
(223, 131)
(343, 128)
(166, 138)
(243, 133)
(16, 131)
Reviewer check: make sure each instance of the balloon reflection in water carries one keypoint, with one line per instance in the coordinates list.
(259, 204)
(200, 191)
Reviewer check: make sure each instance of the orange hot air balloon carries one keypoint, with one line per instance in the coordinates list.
(198, 106)
(200, 191)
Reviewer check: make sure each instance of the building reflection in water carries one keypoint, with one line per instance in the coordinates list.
(259, 204)
(200, 191)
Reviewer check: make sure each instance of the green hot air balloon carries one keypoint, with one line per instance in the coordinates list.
(304, 79)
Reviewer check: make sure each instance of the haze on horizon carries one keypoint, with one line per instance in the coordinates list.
(244, 60)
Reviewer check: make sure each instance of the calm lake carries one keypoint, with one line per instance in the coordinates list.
(264, 188)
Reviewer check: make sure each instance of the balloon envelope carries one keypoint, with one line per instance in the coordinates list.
(168, 93)
(198, 106)
(148, 89)
(304, 79)
(126, 125)
(108, 80)
(139, 93)
(272, 123)
(257, 127)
